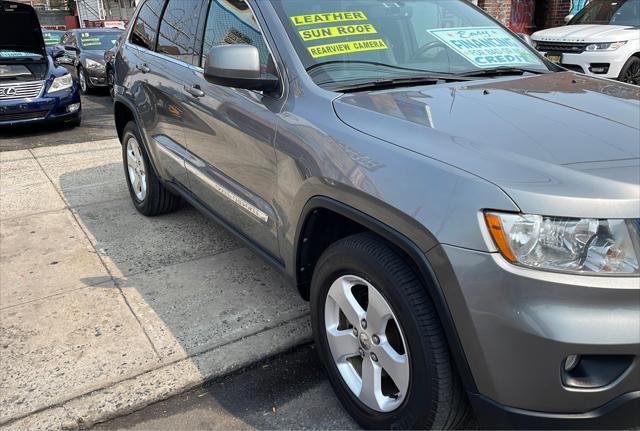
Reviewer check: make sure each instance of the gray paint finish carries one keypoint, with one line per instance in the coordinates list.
(423, 162)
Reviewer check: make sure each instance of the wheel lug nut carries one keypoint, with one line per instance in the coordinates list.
(355, 332)
(376, 339)
(374, 358)
(363, 323)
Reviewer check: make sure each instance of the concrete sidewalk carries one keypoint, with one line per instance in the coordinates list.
(104, 311)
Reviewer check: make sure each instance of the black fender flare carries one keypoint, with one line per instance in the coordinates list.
(419, 261)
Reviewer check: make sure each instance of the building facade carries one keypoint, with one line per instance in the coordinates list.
(527, 16)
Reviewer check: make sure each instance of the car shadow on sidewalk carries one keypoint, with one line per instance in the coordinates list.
(191, 286)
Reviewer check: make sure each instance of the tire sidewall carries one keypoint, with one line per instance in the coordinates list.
(626, 68)
(82, 76)
(416, 406)
(131, 131)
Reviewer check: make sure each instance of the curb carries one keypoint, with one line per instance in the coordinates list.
(135, 393)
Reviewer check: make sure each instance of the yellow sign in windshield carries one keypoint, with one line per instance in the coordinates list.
(347, 47)
(337, 31)
(322, 18)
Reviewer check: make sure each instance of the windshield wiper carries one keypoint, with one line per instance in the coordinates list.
(370, 63)
(494, 71)
(381, 84)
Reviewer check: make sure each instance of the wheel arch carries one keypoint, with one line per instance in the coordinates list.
(325, 212)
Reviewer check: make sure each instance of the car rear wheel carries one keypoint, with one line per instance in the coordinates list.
(149, 195)
(380, 339)
(630, 72)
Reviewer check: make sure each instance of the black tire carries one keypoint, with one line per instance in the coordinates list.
(85, 88)
(158, 199)
(111, 79)
(630, 72)
(435, 398)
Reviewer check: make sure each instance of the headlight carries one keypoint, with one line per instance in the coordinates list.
(92, 64)
(61, 83)
(567, 244)
(609, 46)
(534, 44)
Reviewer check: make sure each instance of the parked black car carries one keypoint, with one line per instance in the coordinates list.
(33, 88)
(84, 55)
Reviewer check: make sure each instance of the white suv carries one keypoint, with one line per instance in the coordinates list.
(603, 39)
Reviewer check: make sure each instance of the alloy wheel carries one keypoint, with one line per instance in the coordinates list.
(136, 169)
(633, 74)
(367, 343)
(83, 81)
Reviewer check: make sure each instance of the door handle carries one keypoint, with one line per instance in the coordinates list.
(143, 68)
(194, 90)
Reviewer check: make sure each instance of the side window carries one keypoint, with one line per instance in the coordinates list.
(230, 22)
(146, 25)
(178, 29)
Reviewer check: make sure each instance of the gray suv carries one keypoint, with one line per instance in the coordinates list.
(462, 214)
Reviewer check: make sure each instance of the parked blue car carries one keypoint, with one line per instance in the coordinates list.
(33, 87)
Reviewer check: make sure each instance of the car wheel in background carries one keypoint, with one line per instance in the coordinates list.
(111, 80)
(630, 72)
(85, 85)
(380, 339)
(148, 194)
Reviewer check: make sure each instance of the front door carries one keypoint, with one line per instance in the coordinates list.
(231, 134)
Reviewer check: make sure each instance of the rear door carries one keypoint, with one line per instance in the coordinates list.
(230, 132)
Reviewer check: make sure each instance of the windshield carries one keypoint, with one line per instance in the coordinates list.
(95, 41)
(52, 37)
(608, 12)
(350, 40)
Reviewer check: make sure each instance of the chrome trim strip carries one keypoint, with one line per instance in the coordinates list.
(262, 216)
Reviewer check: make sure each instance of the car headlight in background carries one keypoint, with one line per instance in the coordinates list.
(94, 65)
(61, 83)
(572, 245)
(609, 46)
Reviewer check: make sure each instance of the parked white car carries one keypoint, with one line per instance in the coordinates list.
(603, 39)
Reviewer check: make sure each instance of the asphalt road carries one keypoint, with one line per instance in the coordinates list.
(97, 124)
(287, 392)
(290, 391)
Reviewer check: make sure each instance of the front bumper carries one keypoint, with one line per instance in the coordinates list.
(518, 325)
(47, 108)
(603, 64)
(97, 77)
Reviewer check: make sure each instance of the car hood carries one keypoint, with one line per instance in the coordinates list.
(96, 55)
(21, 29)
(559, 144)
(588, 33)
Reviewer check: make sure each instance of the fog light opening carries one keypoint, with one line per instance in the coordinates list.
(73, 107)
(571, 362)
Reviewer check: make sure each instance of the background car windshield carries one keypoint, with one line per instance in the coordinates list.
(52, 37)
(603, 12)
(347, 40)
(98, 41)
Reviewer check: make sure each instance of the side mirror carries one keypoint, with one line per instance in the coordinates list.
(57, 53)
(568, 18)
(526, 38)
(238, 66)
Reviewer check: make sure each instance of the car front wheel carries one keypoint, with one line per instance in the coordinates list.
(85, 87)
(630, 72)
(380, 339)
